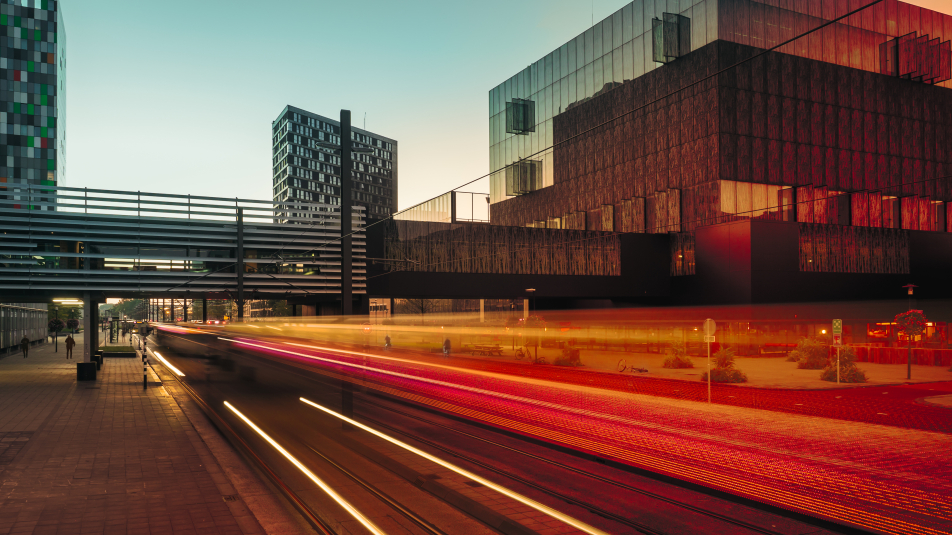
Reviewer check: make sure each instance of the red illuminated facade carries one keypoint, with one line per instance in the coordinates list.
(845, 134)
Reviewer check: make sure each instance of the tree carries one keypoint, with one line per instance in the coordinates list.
(278, 308)
(678, 357)
(724, 370)
(55, 326)
(849, 373)
(421, 306)
(811, 354)
(133, 308)
(911, 323)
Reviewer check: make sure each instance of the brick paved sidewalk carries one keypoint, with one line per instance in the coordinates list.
(105, 456)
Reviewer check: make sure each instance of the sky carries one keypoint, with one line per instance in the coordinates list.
(178, 96)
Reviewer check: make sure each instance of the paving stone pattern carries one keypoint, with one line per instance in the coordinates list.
(103, 457)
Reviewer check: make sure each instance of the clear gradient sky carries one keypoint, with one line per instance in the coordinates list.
(178, 96)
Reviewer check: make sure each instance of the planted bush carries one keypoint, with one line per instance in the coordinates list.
(811, 354)
(724, 370)
(849, 373)
(678, 357)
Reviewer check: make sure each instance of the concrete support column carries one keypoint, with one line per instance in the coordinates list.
(525, 309)
(88, 326)
(185, 310)
(204, 310)
(482, 310)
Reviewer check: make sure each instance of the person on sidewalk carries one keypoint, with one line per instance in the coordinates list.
(70, 343)
(25, 346)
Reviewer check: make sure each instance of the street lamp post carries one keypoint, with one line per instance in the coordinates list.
(909, 287)
(346, 147)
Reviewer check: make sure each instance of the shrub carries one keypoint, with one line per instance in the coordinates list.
(678, 357)
(849, 373)
(811, 354)
(562, 361)
(724, 370)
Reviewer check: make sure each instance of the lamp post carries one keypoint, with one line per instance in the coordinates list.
(909, 335)
(346, 147)
(55, 332)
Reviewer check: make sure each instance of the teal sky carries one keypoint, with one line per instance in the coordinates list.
(178, 96)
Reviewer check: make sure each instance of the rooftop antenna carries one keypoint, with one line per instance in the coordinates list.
(365, 120)
(593, 13)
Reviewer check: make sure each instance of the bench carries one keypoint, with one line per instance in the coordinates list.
(487, 349)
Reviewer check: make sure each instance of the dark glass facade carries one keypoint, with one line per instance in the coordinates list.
(305, 172)
(822, 131)
(32, 98)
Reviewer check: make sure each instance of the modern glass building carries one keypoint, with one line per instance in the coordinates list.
(304, 171)
(670, 117)
(32, 98)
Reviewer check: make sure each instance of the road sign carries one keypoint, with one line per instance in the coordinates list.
(837, 339)
(709, 338)
(709, 327)
(837, 326)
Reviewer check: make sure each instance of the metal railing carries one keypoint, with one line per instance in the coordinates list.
(60, 239)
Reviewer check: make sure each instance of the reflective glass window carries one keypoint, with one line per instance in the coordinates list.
(547, 80)
(588, 38)
(598, 76)
(626, 23)
(572, 90)
(628, 61)
(596, 41)
(589, 80)
(617, 40)
(618, 70)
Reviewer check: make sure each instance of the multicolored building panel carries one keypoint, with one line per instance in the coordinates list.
(32, 99)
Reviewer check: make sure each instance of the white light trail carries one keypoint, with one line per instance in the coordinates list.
(168, 365)
(578, 524)
(317, 481)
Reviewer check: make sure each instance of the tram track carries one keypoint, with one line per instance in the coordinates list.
(579, 503)
(591, 508)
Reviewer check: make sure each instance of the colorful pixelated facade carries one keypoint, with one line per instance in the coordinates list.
(656, 122)
(32, 100)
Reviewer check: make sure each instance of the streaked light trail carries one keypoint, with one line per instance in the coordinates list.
(168, 364)
(578, 524)
(317, 481)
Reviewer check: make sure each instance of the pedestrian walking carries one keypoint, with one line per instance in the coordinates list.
(70, 343)
(25, 346)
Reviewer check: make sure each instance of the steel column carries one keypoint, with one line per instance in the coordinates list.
(346, 216)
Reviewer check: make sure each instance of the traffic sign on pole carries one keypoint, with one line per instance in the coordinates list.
(837, 326)
(709, 329)
(837, 339)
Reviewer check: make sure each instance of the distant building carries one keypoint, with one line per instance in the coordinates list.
(305, 172)
(32, 99)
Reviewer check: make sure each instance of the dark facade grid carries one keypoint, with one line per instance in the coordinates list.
(480, 248)
(303, 171)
